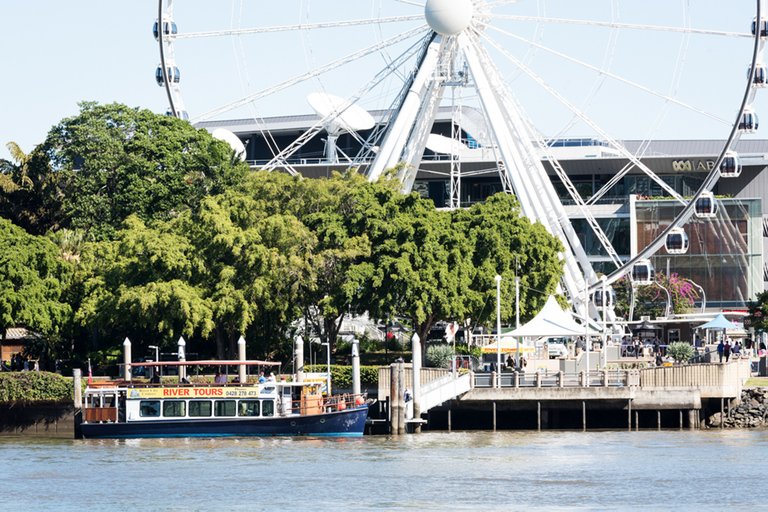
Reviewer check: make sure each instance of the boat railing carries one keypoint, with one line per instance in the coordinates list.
(599, 378)
(317, 404)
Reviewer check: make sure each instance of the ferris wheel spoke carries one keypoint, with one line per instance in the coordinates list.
(610, 24)
(614, 76)
(282, 156)
(562, 100)
(502, 3)
(301, 26)
(408, 2)
(310, 74)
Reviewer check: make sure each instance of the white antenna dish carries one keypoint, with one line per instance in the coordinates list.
(352, 119)
(445, 145)
(231, 139)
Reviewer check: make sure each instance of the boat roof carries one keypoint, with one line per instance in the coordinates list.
(205, 363)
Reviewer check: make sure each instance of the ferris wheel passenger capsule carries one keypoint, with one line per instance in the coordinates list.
(643, 273)
(748, 122)
(763, 26)
(173, 75)
(676, 241)
(169, 29)
(706, 206)
(761, 75)
(181, 114)
(731, 165)
(609, 297)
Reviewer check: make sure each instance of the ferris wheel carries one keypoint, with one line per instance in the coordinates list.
(528, 72)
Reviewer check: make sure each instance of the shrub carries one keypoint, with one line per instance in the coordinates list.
(680, 351)
(439, 356)
(28, 386)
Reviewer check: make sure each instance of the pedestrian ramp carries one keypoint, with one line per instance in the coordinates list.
(443, 389)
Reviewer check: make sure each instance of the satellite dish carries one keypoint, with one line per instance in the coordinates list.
(445, 145)
(352, 119)
(231, 139)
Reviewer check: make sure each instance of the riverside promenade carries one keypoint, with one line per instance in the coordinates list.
(680, 396)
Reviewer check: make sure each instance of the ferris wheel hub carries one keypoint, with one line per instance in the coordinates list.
(448, 17)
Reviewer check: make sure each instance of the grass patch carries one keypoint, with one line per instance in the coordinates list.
(757, 381)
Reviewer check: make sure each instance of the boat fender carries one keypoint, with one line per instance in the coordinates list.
(359, 401)
(342, 406)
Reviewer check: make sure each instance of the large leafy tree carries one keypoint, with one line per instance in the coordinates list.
(505, 243)
(32, 279)
(127, 161)
(419, 265)
(758, 312)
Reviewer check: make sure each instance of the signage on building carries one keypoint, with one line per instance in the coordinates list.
(693, 165)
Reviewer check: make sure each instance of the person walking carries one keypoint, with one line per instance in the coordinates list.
(736, 350)
(721, 350)
(727, 350)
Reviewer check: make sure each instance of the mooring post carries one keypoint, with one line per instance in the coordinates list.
(241, 358)
(396, 398)
(629, 414)
(538, 406)
(127, 360)
(416, 376)
(637, 421)
(584, 414)
(356, 388)
(77, 378)
(658, 419)
(681, 419)
(494, 416)
(722, 412)
(449, 416)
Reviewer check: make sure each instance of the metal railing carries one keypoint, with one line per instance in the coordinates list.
(600, 378)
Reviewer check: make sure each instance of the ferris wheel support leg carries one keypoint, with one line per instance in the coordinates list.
(529, 180)
(397, 134)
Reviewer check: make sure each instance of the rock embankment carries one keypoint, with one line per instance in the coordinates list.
(751, 411)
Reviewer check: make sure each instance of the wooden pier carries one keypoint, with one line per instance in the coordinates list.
(680, 396)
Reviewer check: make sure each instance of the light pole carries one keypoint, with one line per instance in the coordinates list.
(328, 360)
(498, 331)
(157, 357)
(517, 316)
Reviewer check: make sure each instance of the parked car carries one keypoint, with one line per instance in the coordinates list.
(557, 347)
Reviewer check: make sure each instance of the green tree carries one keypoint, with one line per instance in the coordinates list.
(419, 265)
(134, 162)
(31, 192)
(758, 312)
(32, 279)
(504, 242)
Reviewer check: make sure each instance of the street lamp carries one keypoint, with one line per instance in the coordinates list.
(328, 360)
(498, 331)
(157, 357)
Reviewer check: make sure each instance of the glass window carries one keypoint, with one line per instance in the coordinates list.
(674, 335)
(268, 408)
(199, 407)
(149, 408)
(249, 408)
(224, 408)
(174, 408)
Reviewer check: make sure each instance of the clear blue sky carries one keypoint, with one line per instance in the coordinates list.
(57, 53)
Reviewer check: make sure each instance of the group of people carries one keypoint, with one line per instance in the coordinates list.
(20, 363)
(725, 350)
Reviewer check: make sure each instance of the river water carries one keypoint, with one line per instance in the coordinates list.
(512, 470)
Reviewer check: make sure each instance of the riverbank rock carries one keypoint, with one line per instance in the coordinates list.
(750, 411)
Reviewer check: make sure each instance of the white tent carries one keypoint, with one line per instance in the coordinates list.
(551, 321)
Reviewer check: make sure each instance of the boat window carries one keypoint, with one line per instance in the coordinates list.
(268, 408)
(224, 408)
(199, 407)
(149, 408)
(268, 390)
(174, 408)
(249, 408)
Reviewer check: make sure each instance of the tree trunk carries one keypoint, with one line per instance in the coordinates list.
(219, 343)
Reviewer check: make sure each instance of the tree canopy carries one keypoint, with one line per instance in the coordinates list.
(32, 280)
(125, 161)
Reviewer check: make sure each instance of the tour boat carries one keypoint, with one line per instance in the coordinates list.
(275, 408)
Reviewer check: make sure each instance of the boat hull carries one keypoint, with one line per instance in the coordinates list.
(350, 422)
